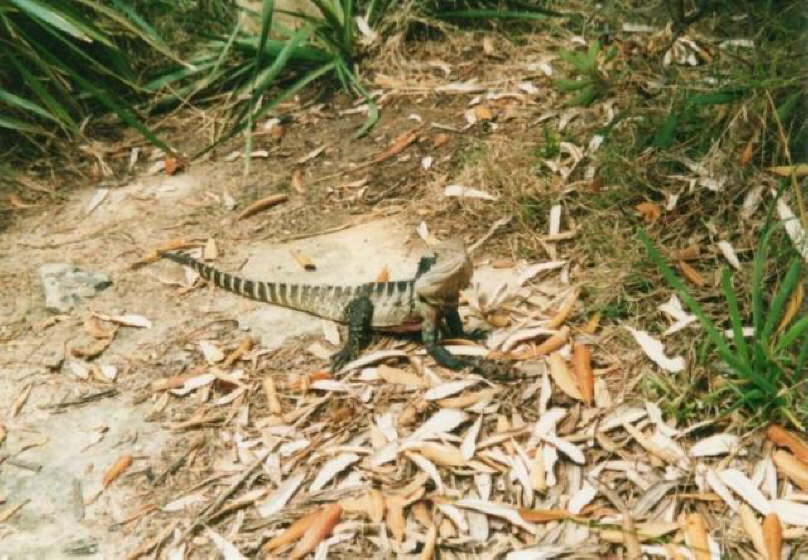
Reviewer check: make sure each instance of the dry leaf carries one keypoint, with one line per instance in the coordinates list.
(563, 378)
(655, 350)
(483, 113)
(91, 350)
(582, 366)
(400, 377)
(564, 311)
(467, 192)
(649, 211)
(799, 170)
(297, 180)
(283, 493)
(116, 470)
(244, 346)
(6, 514)
(793, 468)
(17, 203)
(544, 515)
(644, 532)
(784, 438)
(126, 320)
(384, 274)
(173, 164)
(311, 155)
(398, 145)
(225, 547)
(750, 524)
(212, 353)
(303, 260)
(293, 532)
(691, 274)
(747, 153)
(272, 395)
(394, 516)
(262, 204)
(773, 536)
(440, 139)
(20, 400)
(696, 535)
(332, 468)
(793, 307)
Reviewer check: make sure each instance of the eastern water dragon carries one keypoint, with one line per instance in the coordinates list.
(428, 302)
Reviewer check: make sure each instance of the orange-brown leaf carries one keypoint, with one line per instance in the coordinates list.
(773, 536)
(649, 211)
(794, 305)
(319, 529)
(116, 470)
(173, 164)
(262, 204)
(696, 530)
(691, 274)
(544, 515)
(483, 113)
(293, 532)
(384, 274)
(784, 438)
(297, 180)
(398, 145)
(582, 366)
(787, 464)
(440, 139)
(747, 153)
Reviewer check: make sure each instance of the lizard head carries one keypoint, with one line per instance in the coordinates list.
(451, 272)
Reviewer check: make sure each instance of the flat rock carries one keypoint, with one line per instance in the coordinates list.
(66, 285)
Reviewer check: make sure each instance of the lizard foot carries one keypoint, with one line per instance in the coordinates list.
(342, 357)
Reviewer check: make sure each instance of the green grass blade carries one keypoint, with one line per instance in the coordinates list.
(25, 105)
(797, 330)
(670, 276)
(781, 298)
(20, 126)
(373, 108)
(734, 316)
(758, 270)
(61, 19)
(38, 88)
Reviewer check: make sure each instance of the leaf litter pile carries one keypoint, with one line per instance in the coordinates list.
(394, 455)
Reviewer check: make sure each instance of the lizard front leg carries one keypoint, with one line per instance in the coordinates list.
(454, 326)
(359, 315)
(430, 333)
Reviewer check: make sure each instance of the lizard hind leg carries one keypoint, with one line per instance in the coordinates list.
(359, 316)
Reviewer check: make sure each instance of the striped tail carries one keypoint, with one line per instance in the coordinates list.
(324, 301)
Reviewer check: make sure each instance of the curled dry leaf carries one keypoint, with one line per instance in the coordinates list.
(497, 510)
(649, 211)
(262, 204)
(332, 468)
(719, 444)
(116, 470)
(655, 350)
(784, 438)
(563, 378)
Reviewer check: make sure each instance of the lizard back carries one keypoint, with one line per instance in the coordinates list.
(393, 302)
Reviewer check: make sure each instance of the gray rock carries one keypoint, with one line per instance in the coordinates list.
(66, 285)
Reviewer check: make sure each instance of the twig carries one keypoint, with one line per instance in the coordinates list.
(82, 400)
(203, 516)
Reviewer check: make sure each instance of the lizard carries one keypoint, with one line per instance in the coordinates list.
(428, 302)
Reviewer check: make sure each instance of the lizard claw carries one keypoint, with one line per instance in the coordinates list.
(340, 358)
